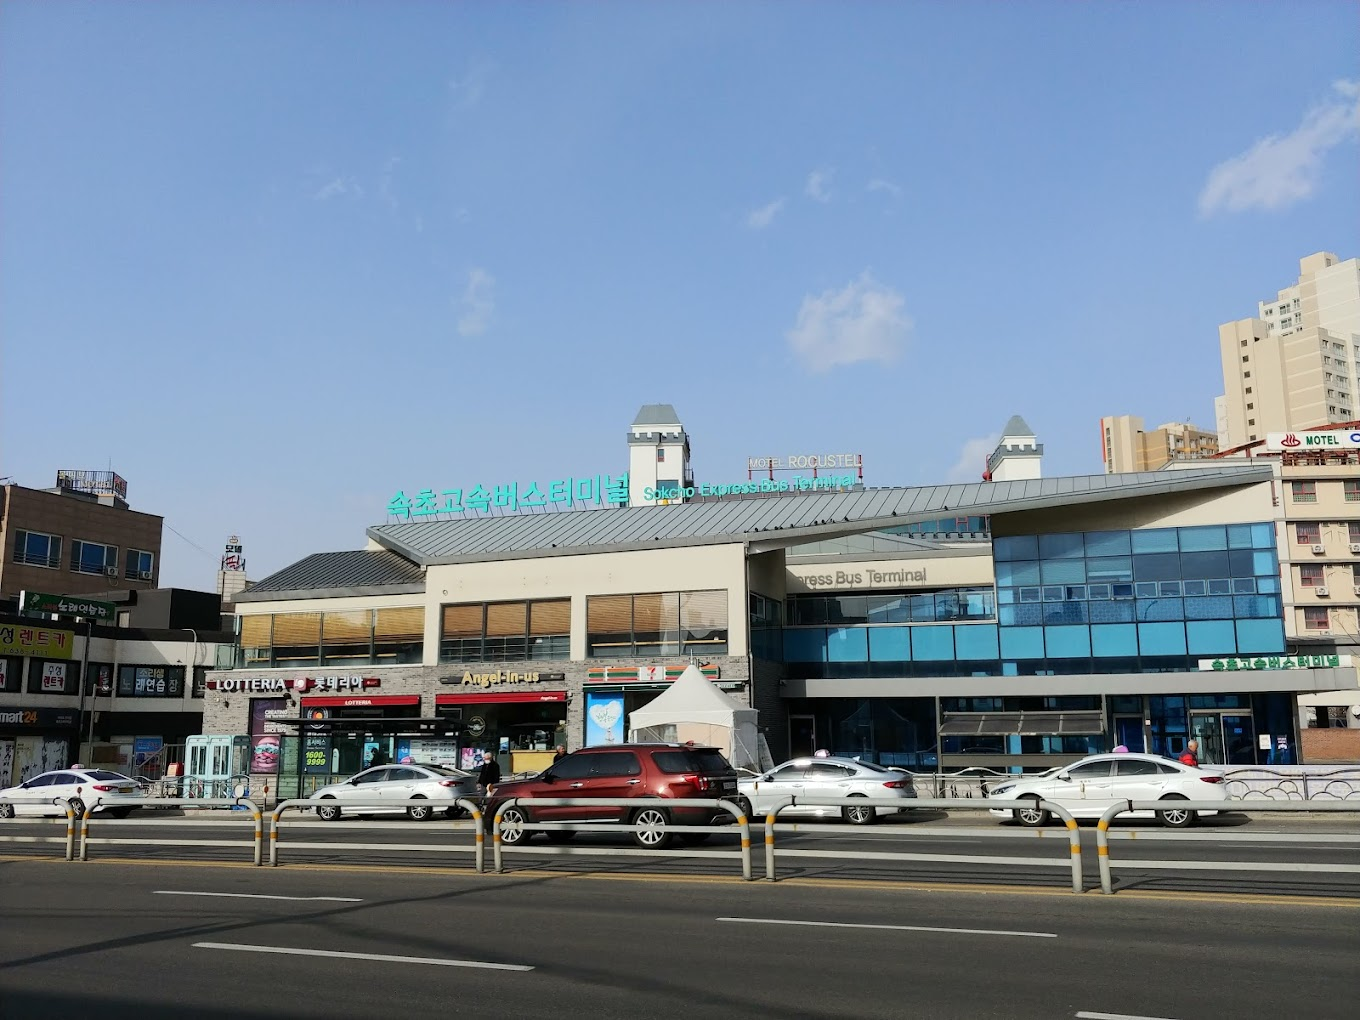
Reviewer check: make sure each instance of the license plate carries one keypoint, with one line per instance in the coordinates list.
(125, 789)
(729, 788)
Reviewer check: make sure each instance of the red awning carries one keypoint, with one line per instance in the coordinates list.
(499, 698)
(361, 700)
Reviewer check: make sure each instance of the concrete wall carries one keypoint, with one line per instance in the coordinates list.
(1211, 506)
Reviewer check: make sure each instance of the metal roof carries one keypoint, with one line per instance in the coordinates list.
(657, 414)
(341, 573)
(1017, 427)
(772, 522)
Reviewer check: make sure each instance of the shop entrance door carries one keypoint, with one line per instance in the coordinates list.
(1128, 732)
(1207, 728)
(802, 735)
(1239, 738)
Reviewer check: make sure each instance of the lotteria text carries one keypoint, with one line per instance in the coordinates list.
(302, 684)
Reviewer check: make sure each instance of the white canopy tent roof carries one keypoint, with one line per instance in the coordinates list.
(693, 709)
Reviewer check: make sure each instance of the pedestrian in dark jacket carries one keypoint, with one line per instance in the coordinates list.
(489, 774)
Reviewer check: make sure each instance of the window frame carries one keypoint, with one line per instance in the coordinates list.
(1312, 615)
(110, 558)
(535, 647)
(1303, 492)
(134, 573)
(52, 561)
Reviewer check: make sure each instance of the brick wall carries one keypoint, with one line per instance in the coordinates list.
(1331, 745)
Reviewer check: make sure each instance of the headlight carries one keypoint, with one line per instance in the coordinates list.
(1002, 789)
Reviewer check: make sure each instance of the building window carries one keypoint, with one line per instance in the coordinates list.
(1353, 529)
(1316, 618)
(1303, 492)
(94, 558)
(660, 454)
(36, 549)
(48, 676)
(398, 635)
(506, 631)
(1311, 575)
(139, 565)
(1251, 421)
(1251, 407)
(1308, 534)
(1248, 389)
(345, 638)
(1244, 343)
(665, 623)
(1246, 358)
(1246, 375)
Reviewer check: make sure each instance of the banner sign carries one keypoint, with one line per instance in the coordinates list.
(302, 684)
(644, 674)
(67, 605)
(1276, 662)
(38, 642)
(601, 490)
(1303, 442)
(503, 676)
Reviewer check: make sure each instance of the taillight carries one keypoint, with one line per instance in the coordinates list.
(104, 787)
(448, 782)
(697, 781)
(896, 784)
(1211, 779)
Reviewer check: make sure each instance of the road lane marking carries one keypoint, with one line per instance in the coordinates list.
(1116, 1016)
(376, 957)
(258, 896)
(892, 927)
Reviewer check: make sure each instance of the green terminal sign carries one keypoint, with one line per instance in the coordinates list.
(68, 605)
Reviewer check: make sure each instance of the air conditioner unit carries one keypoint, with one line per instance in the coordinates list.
(1319, 549)
(1355, 547)
(144, 575)
(1321, 593)
(1357, 589)
(110, 571)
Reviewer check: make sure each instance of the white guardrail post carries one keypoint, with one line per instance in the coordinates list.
(973, 804)
(472, 807)
(742, 821)
(70, 839)
(1253, 806)
(257, 839)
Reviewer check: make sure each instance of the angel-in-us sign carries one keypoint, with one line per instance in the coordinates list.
(604, 719)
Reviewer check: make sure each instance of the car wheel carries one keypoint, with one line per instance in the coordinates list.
(859, 814)
(78, 806)
(329, 812)
(1032, 815)
(419, 812)
(647, 829)
(6, 810)
(512, 831)
(1176, 817)
(746, 808)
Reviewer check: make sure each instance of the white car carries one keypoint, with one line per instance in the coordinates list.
(1089, 787)
(441, 786)
(889, 790)
(50, 792)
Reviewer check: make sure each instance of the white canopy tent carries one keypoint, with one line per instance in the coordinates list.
(693, 709)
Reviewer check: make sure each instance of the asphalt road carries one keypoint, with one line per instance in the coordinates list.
(1307, 840)
(214, 942)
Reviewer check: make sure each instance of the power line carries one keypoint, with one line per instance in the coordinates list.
(192, 543)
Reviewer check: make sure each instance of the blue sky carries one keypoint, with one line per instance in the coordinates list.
(273, 262)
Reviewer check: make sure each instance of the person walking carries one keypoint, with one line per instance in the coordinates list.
(1190, 756)
(489, 774)
(561, 753)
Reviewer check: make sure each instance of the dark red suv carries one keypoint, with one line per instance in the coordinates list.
(651, 773)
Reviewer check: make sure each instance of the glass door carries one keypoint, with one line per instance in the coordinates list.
(1207, 728)
(1128, 732)
(1239, 737)
(802, 735)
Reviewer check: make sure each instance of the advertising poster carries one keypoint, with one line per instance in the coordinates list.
(145, 751)
(266, 740)
(604, 718)
(53, 677)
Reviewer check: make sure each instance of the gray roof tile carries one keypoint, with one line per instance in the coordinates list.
(657, 414)
(351, 569)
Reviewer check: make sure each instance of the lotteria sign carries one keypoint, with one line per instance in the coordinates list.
(1299, 442)
(302, 684)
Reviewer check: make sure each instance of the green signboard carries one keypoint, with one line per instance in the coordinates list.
(68, 605)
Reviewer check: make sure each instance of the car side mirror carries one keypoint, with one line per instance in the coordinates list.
(1064, 777)
(548, 777)
(354, 781)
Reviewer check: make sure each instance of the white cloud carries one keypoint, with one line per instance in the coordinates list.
(759, 219)
(1280, 170)
(339, 187)
(818, 187)
(478, 303)
(973, 459)
(466, 90)
(887, 187)
(864, 321)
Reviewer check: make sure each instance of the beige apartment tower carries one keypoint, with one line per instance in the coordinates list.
(1127, 446)
(1294, 365)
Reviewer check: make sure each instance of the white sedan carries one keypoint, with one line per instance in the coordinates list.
(885, 791)
(441, 786)
(1089, 787)
(50, 792)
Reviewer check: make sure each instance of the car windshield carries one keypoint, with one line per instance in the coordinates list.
(695, 760)
(872, 767)
(440, 770)
(103, 775)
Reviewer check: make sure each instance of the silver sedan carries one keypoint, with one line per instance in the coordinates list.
(439, 785)
(886, 791)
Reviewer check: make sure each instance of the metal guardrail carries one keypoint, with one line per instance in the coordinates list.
(70, 839)
(473, 808)
(1252, 783)
(257, 842)
(1103, 837)
(743, 826)
(1073, 836)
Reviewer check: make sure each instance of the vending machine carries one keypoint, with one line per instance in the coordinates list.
(215, 764)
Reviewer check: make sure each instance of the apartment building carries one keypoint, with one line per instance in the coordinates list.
(1127, 446)
(1294, 364)
(76, 538)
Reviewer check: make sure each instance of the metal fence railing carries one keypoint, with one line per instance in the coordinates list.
(254, 819)
(69, 840)
(356, 806)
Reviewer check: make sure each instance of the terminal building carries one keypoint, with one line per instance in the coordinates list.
(1018, 622)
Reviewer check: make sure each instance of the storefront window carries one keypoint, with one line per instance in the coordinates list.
(256, 641)
(664, 623)
(347, 637)
(506, 631)
(398, 635)
(297, 639)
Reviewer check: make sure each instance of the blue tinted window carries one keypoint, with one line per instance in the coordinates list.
(1264, 564)
(923, 609)
(1268, 584)
(1157, 567)
(1006, 596)
(1109, 569)
(1068, 642)
(1066, 547)
(1029, 615)
(847, 644)
(1115, 640)
(804, 645)
(975, 642)
(932, 644)
(1156, 540)
(1098, 591)
(890, 644)
(1020, 572)
(1211, 607)
(1260, 636)
(1215, 637)
(1053, 593)
(1263, 536)
(1022, 642)
(1118, 611)
(1244, 586)
(1029, 595)
(1169, 589)
(1064, 571)
(1161, 638)
(1064, 612)
(1204, 539)
(1220, 586)
(1204, 564)
(1239, 536)
(1019, 547)
(1195, 588)
(1256, 606)
(887, 609)
(1152, 610)
(1107, 543)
